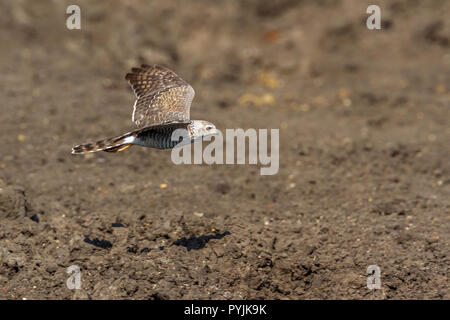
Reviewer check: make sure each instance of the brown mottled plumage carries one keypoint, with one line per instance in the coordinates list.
(162, 96)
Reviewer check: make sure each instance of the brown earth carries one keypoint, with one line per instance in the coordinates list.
(364, 151)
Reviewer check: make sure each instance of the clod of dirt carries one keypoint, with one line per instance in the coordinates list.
(339, 36)
(197, 243)
(223, 188)
(272, 8)
(117, 225)
(12, 201)
(388, 208)
(104, 244)
(434, 33)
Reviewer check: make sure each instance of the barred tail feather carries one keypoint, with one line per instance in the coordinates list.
(116, 144)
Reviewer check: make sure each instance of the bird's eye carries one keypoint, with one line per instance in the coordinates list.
(208, 128)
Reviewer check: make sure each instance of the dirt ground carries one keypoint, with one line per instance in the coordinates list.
(364, 151)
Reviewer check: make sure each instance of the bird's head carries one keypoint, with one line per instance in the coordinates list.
(202, 128)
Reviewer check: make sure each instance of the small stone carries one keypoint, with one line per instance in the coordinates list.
(21, 137)
(347, 102)
(305, 107)
(163, 185)
(267, 98)
(269, 80)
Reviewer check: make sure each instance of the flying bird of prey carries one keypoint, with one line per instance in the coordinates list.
(163, 103)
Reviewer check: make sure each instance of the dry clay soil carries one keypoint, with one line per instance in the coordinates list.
(364, 151)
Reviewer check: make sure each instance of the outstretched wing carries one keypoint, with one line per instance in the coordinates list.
(162, 96)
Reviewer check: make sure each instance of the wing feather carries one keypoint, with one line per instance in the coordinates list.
(162, 96)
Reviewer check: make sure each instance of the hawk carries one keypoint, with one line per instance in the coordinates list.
(163, 103)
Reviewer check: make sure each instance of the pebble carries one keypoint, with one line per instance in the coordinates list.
(269, 80)
(21, 137)
(305, 107)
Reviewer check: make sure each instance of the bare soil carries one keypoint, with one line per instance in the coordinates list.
(364, 151)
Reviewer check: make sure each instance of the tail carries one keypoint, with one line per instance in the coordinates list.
(116, 144)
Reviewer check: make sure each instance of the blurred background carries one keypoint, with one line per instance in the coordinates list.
(364, 131)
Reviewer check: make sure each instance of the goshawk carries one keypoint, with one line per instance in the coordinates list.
(163, 105)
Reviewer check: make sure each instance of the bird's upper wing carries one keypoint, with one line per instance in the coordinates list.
(162, 96)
